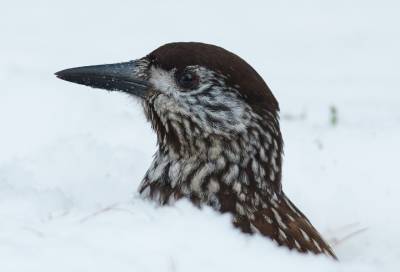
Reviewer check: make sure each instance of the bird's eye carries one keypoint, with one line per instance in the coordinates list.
(187, 79)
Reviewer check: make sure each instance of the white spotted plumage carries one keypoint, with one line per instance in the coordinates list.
(216, 149)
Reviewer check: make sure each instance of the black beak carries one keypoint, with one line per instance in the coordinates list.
(113, 77)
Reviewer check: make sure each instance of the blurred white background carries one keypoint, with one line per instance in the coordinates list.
(68, 152)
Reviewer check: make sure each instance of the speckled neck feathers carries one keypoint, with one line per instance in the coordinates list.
(248, 163)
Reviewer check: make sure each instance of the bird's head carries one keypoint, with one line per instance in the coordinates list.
(218, 133)
(189, 91)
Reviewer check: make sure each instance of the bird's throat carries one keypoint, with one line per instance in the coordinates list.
(247, 167)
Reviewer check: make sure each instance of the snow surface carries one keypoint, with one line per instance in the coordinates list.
(72, 157)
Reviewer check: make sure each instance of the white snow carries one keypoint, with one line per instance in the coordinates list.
(72, 157)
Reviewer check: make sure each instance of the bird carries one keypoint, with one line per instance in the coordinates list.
(219, 142)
